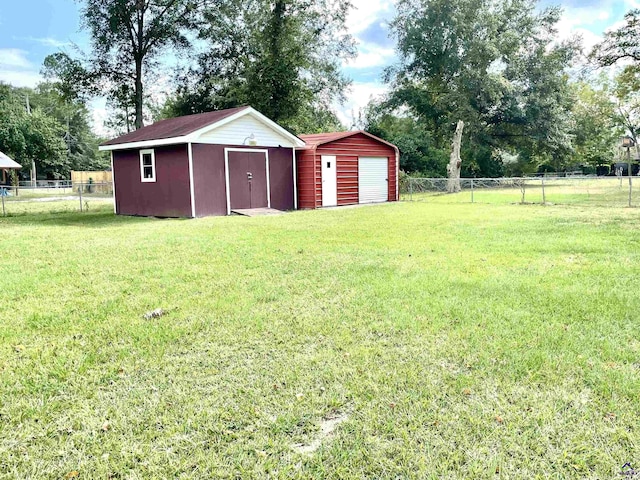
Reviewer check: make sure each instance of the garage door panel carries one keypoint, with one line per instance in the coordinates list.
(373, 175)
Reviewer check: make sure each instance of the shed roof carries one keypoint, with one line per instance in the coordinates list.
(313, 141)
(7, 163)
(174, 127)
(188, 129)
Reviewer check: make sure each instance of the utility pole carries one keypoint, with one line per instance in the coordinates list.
(34, 173)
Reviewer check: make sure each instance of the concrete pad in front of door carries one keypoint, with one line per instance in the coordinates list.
(257, 212)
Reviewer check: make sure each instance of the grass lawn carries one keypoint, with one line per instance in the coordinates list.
(455, 341)
(601, 191)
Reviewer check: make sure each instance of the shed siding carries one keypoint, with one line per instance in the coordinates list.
(237, 131)
(306, 179)
(347, 151)
(168, 196)
(347, 179)
(393, 179)
(209, 179)
(210, 182)
(281, 178)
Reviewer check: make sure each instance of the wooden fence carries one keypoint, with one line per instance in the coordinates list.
(93, 182)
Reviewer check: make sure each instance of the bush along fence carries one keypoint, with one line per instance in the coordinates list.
(63, 196)
(615, 191)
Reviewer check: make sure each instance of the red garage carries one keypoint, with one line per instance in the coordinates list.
(208, 164)
(346, 168)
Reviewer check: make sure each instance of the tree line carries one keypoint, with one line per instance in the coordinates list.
(530, 100)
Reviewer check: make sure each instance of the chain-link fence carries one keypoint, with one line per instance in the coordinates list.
(54, 197)
(581, 190)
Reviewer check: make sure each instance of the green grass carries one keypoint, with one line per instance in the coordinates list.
(605, 191)
(26, 205)
(462, 341)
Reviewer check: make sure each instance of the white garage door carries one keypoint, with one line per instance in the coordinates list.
(373, 175)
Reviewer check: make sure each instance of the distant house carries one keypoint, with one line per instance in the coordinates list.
(206, 164)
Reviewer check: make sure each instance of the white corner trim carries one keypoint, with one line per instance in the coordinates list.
(266, 155)
(191, 184)
(226, 180)
(226, 172)
(295, 180)
(397, 175)
(113, 186)
(142, 153)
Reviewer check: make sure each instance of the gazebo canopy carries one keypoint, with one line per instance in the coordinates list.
(7, 163)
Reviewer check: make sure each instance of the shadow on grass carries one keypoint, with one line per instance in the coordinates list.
(96, 219)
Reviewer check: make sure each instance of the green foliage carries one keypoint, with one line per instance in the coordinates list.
(35, 137)
(418, 152)
(127, 38)
(596, 132)
(280, 57)
(622, 43)
(57, 135)
(495, 65)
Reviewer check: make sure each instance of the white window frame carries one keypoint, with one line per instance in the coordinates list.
(144, 152)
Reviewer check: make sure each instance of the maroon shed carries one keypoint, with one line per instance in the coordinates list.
(346, 168)
(207, 164)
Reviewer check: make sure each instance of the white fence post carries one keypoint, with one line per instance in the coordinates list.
(472, 200)
(80, 191)
(544, 196)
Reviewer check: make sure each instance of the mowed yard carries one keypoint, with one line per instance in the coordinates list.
(452, 341)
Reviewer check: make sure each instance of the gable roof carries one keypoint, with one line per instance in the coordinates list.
(187, 128)
(313, 141)
(6, 163)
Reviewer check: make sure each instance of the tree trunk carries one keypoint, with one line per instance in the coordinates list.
(139, 123)
(455, 163)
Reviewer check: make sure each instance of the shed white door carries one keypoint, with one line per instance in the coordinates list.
(329, 181)
(373, 179)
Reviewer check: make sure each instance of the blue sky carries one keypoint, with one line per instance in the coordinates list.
(32, 29)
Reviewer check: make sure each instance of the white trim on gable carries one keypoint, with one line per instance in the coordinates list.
(281, 137)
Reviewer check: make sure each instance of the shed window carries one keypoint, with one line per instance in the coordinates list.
(147, 165)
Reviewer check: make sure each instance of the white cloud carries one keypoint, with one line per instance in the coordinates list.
(365, 12)
(99, 114)
(14, 57)
(360, 95)
(20, 79)
(16, 69)
(46, 41)
(370, 55)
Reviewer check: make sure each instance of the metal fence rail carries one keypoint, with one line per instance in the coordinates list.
(586, 190)
(51, 198)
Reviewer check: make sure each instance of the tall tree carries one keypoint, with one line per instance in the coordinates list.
(418, 151)
(623, 45)
(597, 124)
(620, 44)
(127, 39)
(31, 136)
(283, 57)
(496, 65)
